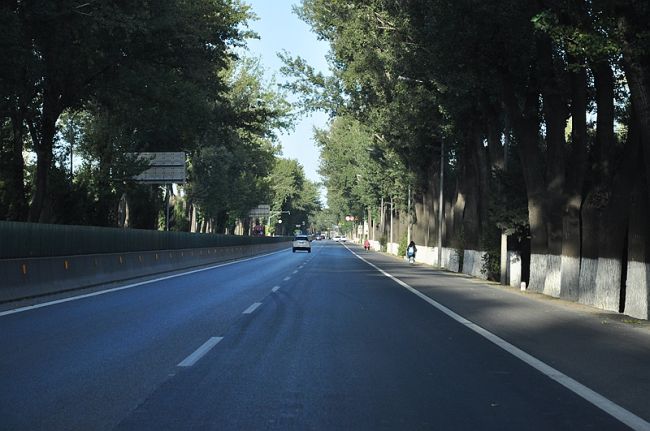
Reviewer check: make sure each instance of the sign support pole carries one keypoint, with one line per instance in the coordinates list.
(168, 193)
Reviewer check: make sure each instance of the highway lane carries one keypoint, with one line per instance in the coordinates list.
(327, 343)
(84, 364)
(342, 347)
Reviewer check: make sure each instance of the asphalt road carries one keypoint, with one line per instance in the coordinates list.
(319, 341)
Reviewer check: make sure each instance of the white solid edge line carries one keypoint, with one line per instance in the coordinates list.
(200, 352)
(116, 289)
(625, 416)
(252, 308)
(275, 288)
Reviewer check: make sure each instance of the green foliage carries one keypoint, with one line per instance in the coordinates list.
(357, 170)
(383, 243)
(323, 220)
(491, 264)
(401, 248)
(293, 192)
(141, 76)
(508, 209)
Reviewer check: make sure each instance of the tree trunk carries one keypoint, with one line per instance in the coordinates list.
(636, 63)
(471, 218)
(39, 210)
(483, 178)
(637, 285)
(613, 229)
(123, 212)
(15, 175)
(591, 213)
(570, 267)
(605, 138)
(555, 115)
(525, 124)
(193, 219)
(455, 217)
(495, 147)
(593, 204)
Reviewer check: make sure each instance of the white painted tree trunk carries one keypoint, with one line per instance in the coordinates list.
(553, 279)
(538, 267)
(587, 286)
(450, 259)
(608, 284)
(637, 290)
(570, 281)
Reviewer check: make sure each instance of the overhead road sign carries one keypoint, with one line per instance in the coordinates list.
(262, 210)
(164, 168)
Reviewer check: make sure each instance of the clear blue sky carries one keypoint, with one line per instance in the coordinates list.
(280, 29)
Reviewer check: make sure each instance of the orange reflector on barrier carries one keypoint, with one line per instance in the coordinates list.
(66, 265)
(23, 268)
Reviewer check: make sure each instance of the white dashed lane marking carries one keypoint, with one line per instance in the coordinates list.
(200, 352)
(275, 289)
(252, 308)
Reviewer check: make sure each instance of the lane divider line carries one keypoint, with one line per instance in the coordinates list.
(252, 308)
(286, 279)
(129, 286)
(200, 352)
(625, 416)
(275, 289)
(295, 271)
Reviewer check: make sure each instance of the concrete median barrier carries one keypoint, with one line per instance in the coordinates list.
(30, 277)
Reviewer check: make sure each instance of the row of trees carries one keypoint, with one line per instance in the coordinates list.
(84, 85)
(543, 108)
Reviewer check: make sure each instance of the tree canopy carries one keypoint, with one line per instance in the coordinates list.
(86, 85)
(542, 108)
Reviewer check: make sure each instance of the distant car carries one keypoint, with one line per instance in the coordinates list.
(343, 239)
(301, 242)
(337, 238)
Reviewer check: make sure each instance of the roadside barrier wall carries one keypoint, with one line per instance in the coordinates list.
(473, 263)
(38, 260)
(29, 277)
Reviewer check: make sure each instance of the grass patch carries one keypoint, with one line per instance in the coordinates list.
(632, 321)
